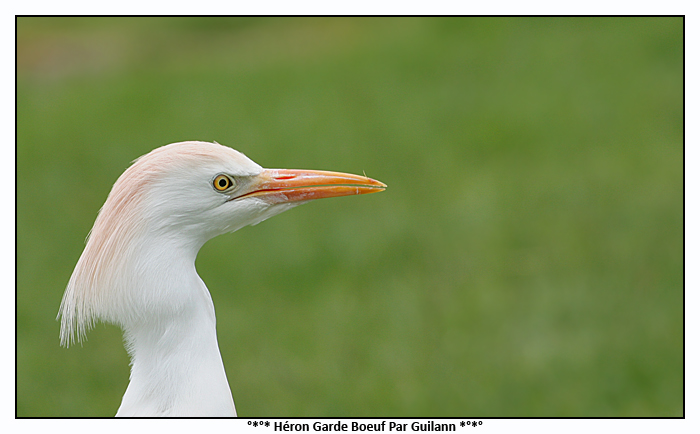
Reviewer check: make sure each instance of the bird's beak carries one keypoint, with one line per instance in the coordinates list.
(285, 185)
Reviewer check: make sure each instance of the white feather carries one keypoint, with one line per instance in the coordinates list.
(137, 271)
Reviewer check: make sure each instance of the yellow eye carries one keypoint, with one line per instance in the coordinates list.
(222, 182)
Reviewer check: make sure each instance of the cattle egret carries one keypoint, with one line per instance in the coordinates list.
(137, 269)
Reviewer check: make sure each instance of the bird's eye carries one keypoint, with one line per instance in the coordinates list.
(222, 183)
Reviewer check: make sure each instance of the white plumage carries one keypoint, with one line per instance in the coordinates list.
(137, 269)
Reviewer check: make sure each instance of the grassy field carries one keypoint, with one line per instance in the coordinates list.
(526, 259)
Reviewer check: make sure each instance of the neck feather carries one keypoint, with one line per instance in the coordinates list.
(176, 367)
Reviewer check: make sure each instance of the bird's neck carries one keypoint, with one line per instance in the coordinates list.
(176, 366)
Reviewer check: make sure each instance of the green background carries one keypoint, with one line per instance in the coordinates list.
(526, 259)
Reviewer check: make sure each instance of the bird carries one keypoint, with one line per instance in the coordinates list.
(137, 269)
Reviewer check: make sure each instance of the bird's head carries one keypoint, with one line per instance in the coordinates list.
(164, 207)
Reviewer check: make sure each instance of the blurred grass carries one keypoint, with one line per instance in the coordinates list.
(526, 259)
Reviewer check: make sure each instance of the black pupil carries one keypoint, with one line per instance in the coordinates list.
(222, 182)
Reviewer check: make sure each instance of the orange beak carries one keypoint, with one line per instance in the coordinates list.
(284, 185)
